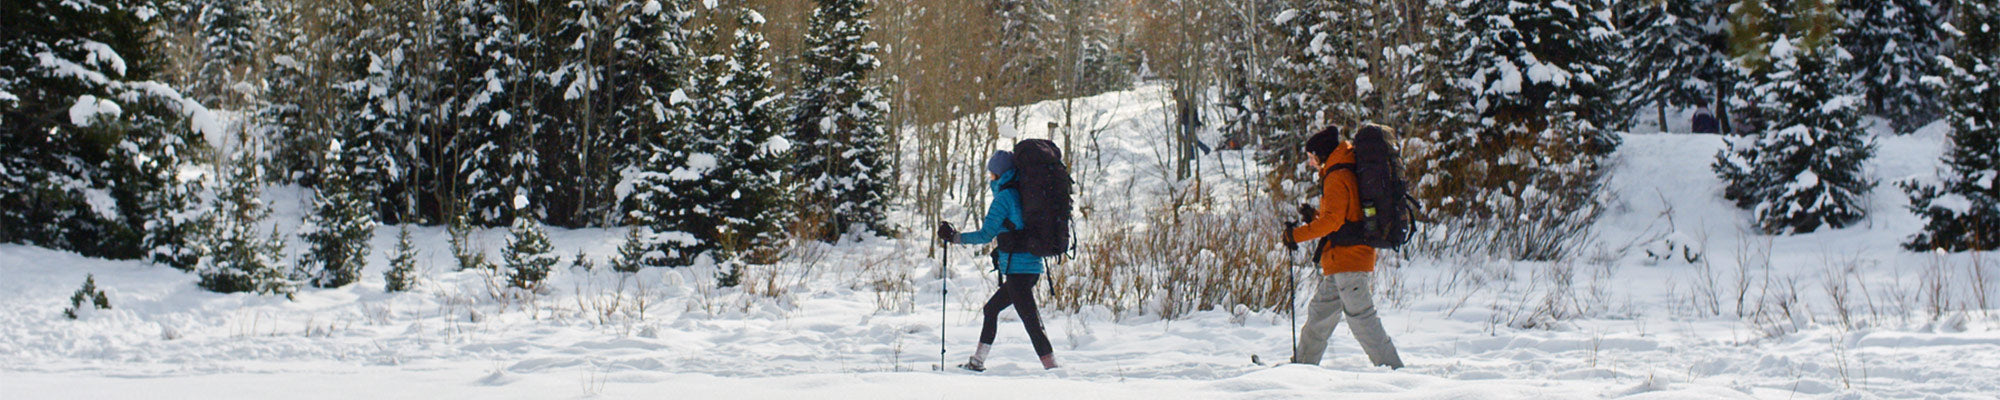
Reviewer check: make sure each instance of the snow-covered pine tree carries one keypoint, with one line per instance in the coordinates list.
(402, 274)
(528, 254)
(1538, 79)
(1895, 44)
(757, 162)
(1441, 115)
(87, 298)
(677, 192)
(486, 84)
(1802, 169)
(566, 106)
(1026, 48)
(1247, 76)
(1962, 210)
(645, 86)
(631, 252)
(303, 104)
(1751, 26)
(241, 256)
(1297, 96)
(230, 51)
(385, 105)
(92, 149)
(836, 122)
(339, 227)
(1331, 59)
(1669, 50)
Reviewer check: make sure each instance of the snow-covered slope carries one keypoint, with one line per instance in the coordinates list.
(861, 319)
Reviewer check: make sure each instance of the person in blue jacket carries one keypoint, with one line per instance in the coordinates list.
(1018, 271)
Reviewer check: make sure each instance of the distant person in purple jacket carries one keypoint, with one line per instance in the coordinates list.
(1705, 122)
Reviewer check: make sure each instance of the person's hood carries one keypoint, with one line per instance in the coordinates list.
(1009, 177)
(1344, 154)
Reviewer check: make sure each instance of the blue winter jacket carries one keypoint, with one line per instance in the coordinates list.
(1006, 207)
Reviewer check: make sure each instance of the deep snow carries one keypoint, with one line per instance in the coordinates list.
(860, 319)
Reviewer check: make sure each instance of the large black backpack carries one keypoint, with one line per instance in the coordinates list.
(1386, 205)
(1043, 183)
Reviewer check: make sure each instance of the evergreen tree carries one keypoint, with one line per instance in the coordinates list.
(1895, 44)
(385, 105)
(241, 257)
(1962, 212)
(88, 294)
(631, 252)
(92, 150)
(1802, 169)
(488, 99)
(1669, 48)
(1537, 83)
(1025, 46)
(757, 152)
(230, 47)
(1750, 27)
(402, 274)
(528, 254)
(1296, 96)
(837, 122)
(646, 92)
(339, 228)
(676, 196)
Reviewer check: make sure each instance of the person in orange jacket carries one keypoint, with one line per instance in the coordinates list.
(1346, 272)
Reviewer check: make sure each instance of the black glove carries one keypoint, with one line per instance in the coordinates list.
(1287, 237)
(1307, 212)
(946, 234)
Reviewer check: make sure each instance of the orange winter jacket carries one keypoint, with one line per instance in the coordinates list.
(1337, 206)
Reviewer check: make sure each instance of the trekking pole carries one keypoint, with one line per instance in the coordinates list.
(1292, 301)
(944, 298)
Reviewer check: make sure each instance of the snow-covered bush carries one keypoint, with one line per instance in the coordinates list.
(1181, 262)
(88, 294)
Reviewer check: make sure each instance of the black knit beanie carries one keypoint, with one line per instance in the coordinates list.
(1322, 144)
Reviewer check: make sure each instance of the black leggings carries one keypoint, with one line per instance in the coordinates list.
(1017, 290)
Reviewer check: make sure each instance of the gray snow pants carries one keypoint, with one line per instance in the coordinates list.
(1349, 293)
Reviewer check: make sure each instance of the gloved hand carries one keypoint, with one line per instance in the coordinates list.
(946, 233)
(1287, 237)
(1307, 212)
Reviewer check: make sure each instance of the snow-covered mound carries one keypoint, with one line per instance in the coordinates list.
(1675, 300)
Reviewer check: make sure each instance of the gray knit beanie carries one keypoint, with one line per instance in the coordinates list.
(1001, 161)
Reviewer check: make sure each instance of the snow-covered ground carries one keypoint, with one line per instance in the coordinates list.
(861, 319)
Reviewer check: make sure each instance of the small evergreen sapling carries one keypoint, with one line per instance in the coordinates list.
(402, 275)
(528, 253)
(339, 228)
(238, 259)
(468, 254)
(581, 261)
(632, 253)
(89, 293)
